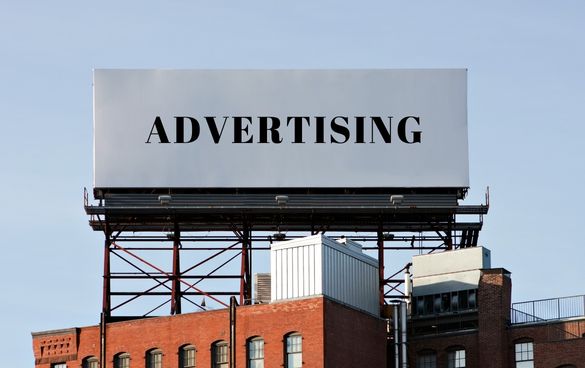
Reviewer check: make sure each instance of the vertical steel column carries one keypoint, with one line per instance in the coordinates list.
(250, 257)
(449, 242)
(382, 279)
(395, 315)
(245, 286)
(106, 300)
(176, 277)
(233, 304)
(248, 237)
(403, 333)
(103, 354)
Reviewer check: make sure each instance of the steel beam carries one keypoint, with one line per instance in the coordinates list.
(106, 300)
(245, 286)
(176, 276)
(381, 278)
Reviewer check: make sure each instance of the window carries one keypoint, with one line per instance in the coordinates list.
(456, 358)
(219, 354)
(294, 351)
(154, 358)
(122, 360)
(456, 301)
(90, 362)
(256, 353)
(59, 365)
(426, 359)
(187, 357)
(524, 355)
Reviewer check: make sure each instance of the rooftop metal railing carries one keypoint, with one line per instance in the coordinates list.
(548, 309)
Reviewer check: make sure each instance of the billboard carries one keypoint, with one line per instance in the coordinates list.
(280, 128)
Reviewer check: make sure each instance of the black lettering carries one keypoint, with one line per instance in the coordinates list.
(160, 131)
(339, 129)
(239, 128)
(298, 125)
(180, 134)
(416, 135)
(320, 127)
(215, 133)
(385, 133)
(359, 129)
(264, 129)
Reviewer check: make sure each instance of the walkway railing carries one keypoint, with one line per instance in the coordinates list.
(548, 309)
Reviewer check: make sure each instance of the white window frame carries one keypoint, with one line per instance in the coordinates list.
(90, 362)
(255, 351)
(426, 359)
(456, 358)
(188, 356)
(219, 354)
(524, 354)
(154, 358)
(122, 360)
(293, 347)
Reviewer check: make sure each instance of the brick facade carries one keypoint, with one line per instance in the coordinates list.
(326, 328)
(494, 297)
(333, 335)
(353, 342)
(492, 343)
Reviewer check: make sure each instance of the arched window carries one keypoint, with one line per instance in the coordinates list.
(426, 359)
(122, 360)
(154, 358)
(187, 356)
(255, 352)
(456, 358)
(293, 350)
(219, 354)
(90, 362)
(524, 354)
(566, 366)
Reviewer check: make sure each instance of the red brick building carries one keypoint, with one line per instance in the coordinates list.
(460, 318)
(480, 327)
(329, 334)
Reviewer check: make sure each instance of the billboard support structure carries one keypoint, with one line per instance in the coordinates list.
(176, 292)
(106, 299)
(246, 277)
(378, 156)
(203, 259)
(382, 279)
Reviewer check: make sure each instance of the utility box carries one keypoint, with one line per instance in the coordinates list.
(318, 265)
(261, 288)
(449, 271)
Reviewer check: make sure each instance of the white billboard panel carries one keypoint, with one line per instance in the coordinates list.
(280, 128)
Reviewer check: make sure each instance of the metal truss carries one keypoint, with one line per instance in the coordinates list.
(185, 252)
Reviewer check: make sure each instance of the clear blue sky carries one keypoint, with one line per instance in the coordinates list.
(526, 63)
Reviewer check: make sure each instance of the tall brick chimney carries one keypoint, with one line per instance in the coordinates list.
(494, 296)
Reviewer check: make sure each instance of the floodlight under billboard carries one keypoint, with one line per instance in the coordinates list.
(280, 129)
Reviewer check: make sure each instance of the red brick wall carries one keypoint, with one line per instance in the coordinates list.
(353, 339)
(493, 344)
(56, 347)
(273, 321)
(487, 347)
(494, 298)
(442, 344)
(270, 321)
(552, 346)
